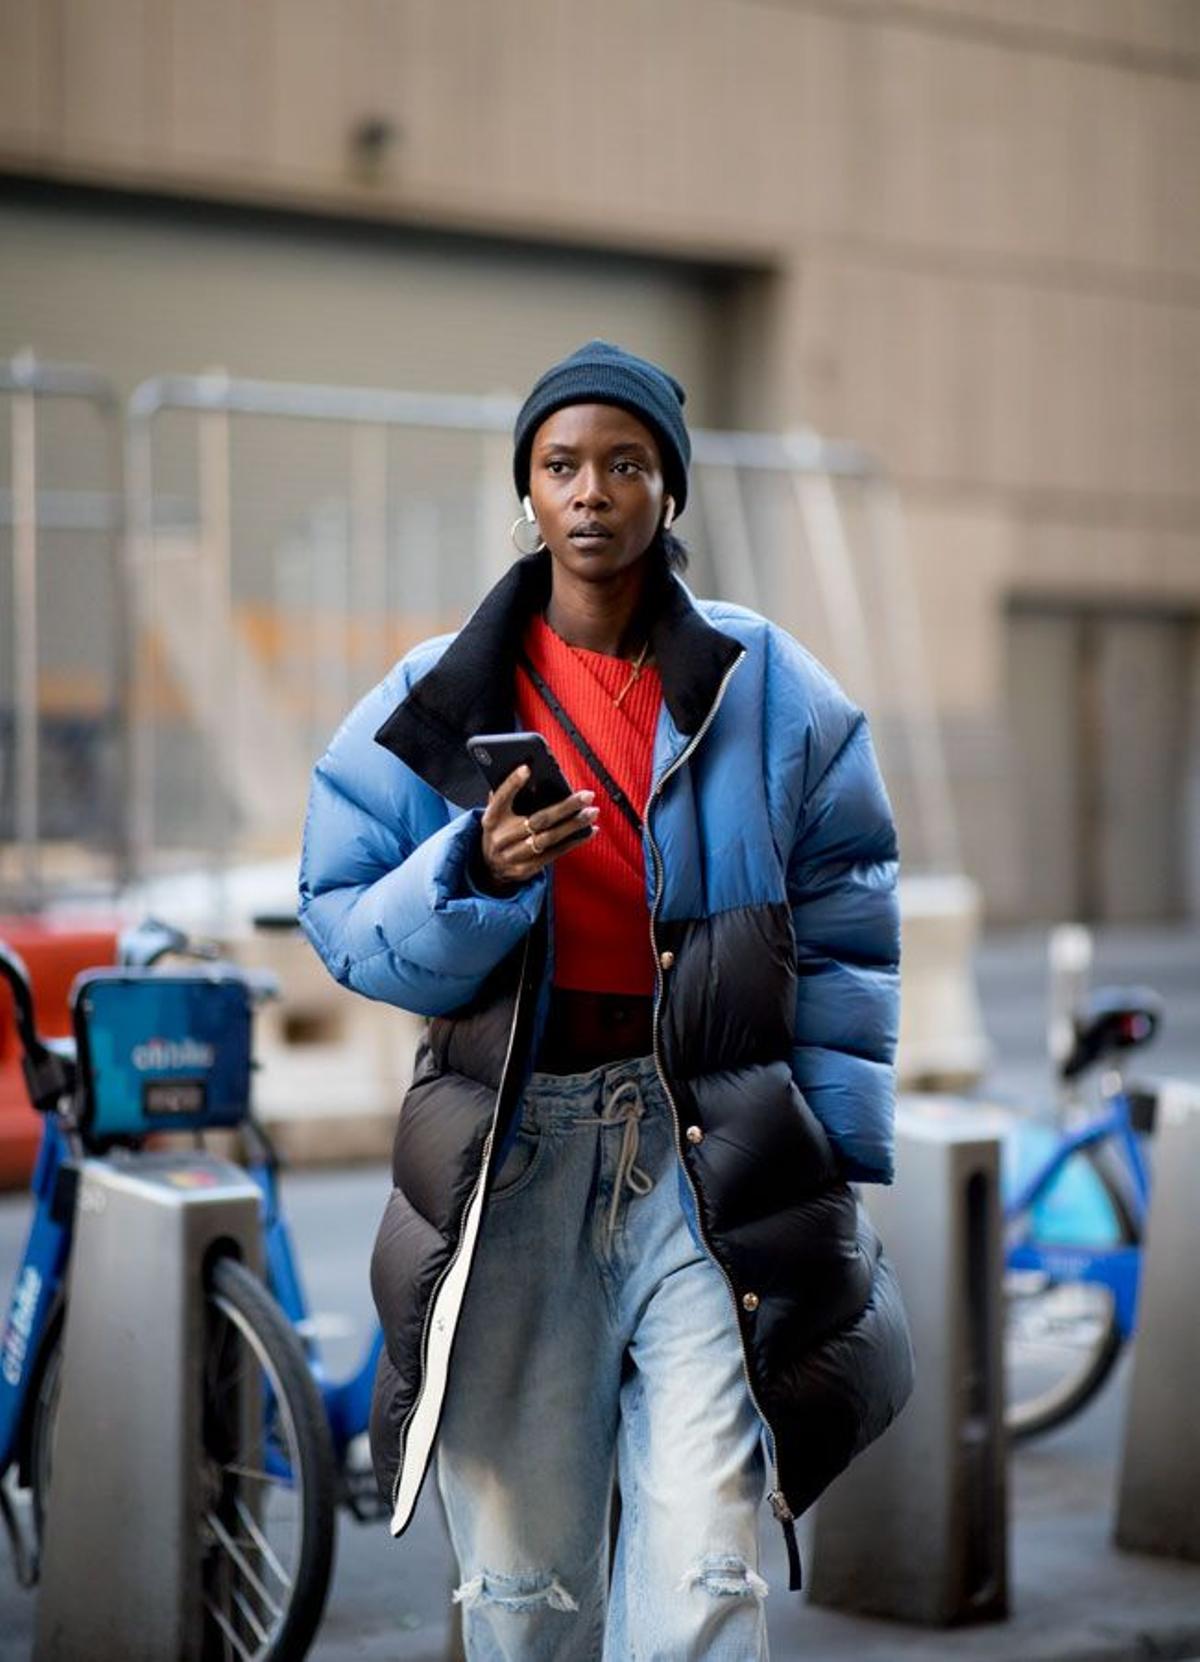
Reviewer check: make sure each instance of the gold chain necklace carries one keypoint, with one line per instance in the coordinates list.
(634, 672)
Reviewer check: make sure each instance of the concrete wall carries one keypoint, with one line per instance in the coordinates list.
(975, 224)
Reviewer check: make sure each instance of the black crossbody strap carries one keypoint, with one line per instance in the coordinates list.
(582, 746)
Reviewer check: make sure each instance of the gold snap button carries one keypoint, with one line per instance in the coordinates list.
(666, 959)
(750, 1301)
(694, 1134)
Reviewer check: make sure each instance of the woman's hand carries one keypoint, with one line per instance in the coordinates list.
(515, 847)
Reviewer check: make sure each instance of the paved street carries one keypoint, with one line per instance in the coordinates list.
(1074, 1596)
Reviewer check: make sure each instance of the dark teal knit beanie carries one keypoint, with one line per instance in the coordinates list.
(599, 373)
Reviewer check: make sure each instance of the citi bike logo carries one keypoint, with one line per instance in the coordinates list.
(163, 1055)
(20, 1325)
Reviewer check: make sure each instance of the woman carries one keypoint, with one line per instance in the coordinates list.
(662, 1015)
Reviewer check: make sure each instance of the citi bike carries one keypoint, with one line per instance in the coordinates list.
(177, 1057)
(346, 1401)
(1077, 1198)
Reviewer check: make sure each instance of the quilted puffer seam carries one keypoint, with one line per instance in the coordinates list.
(856, 726)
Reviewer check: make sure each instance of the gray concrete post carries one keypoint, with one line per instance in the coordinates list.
(916, 1529)
(1158, 1503)
(120, 1575)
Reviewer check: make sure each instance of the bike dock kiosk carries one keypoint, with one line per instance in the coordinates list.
(916, 1529)
(120, 1574)
(1158, 1505)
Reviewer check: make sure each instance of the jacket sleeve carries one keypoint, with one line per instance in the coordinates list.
(841, 881)
(385, 895)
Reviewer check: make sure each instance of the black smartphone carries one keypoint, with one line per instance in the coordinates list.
(497, 754)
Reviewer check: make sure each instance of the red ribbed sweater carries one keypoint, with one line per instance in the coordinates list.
(601, 916)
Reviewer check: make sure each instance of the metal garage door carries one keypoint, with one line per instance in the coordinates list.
(1102, 728)
(139, 289)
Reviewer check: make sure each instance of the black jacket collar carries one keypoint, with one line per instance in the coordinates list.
(470, 688)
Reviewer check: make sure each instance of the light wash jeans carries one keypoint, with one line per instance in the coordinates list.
(596, 1337)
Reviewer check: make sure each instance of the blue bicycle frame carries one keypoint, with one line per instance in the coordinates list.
(47, 1249)
(1114, 1267)
(347, 1401)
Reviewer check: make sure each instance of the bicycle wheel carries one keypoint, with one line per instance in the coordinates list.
(267, 1475)
(268, 1511)
(1061, 1337)
(41, 1425)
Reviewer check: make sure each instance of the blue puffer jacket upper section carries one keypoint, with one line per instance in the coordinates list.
(778, 800)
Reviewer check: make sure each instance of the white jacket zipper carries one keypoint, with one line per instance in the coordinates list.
(453, 1258)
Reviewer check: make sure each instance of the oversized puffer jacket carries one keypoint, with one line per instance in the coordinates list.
(771, 866)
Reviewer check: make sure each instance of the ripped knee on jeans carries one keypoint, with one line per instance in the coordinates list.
(724, 1576)
(523, 1593)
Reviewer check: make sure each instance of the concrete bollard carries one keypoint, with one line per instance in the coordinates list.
(121, 1553)
(1158, 1502)
(916, 1529)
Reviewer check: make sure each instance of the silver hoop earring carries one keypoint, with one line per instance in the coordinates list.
(526, 520)
(515, 533)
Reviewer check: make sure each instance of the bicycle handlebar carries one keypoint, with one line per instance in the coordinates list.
(138, 947)
(47, 1066)
(141, 947)
(146, 942)
(49, 1076)
(13, 970)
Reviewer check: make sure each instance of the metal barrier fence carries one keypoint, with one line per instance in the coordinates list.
(286, 542)
(63, 767)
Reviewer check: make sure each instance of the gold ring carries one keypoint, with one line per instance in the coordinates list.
(534, 845)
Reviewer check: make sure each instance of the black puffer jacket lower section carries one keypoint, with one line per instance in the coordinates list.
(437, 1160)
(826, 1338)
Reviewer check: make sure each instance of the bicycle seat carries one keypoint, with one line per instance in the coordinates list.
(1109, 1020)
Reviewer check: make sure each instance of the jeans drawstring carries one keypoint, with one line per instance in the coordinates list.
(624, 1107)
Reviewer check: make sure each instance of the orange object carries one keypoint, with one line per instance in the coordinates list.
(54, 953)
